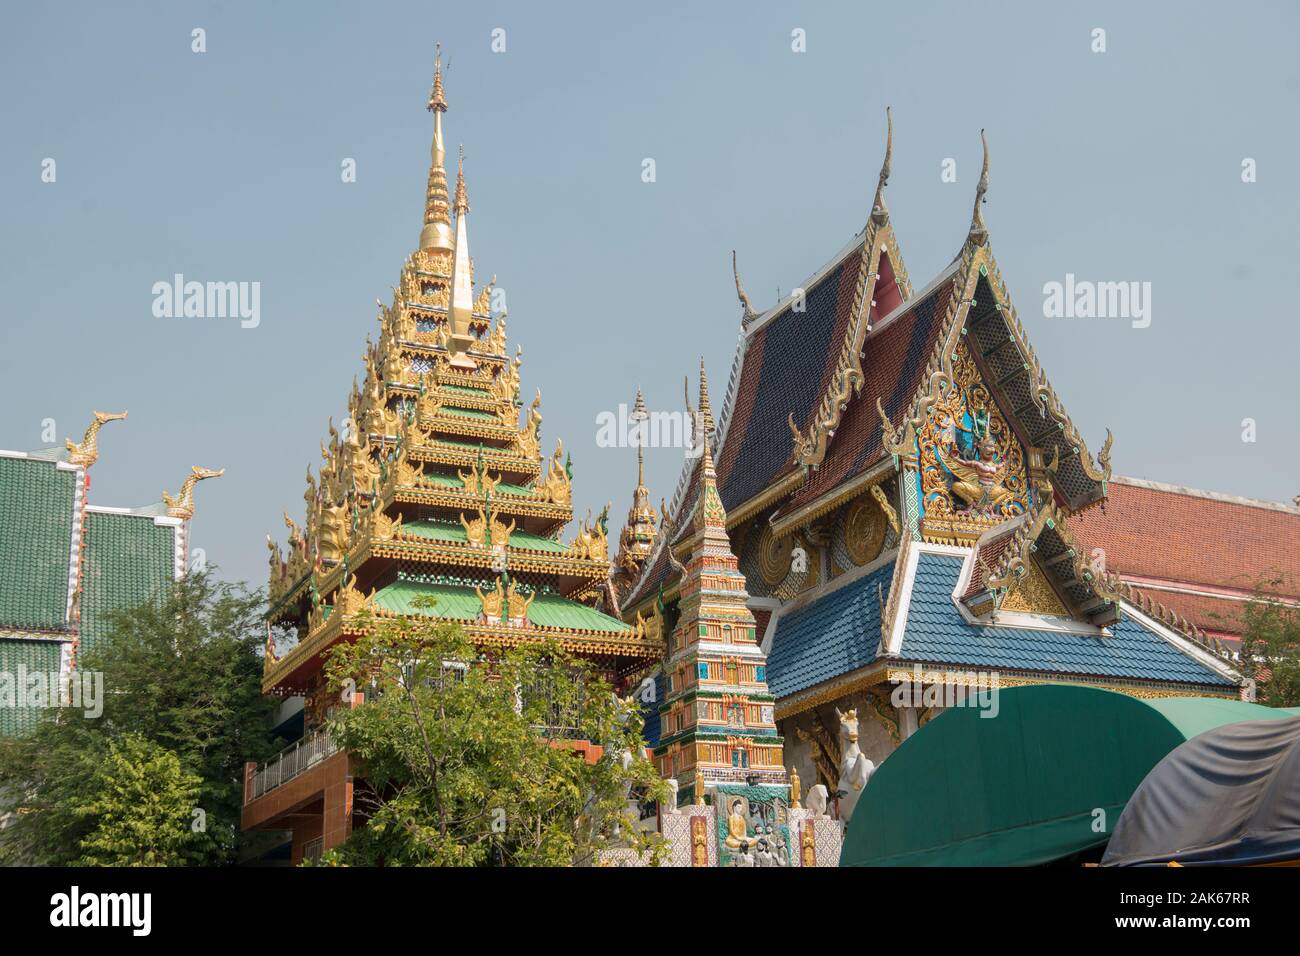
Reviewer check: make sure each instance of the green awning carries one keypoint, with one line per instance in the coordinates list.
(1024, 787)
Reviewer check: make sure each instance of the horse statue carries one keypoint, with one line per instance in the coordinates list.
(817, 800)
(855, 768)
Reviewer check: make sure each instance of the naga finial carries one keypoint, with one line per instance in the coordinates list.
(979, 232)
(750, 314)
(879, 214)
(87, 453)
(182, 506)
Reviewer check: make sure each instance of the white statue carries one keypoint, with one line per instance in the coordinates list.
(670, 805)
(817, 800)
(855, 768)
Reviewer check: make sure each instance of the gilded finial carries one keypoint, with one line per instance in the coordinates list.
(436, 235)
(750, 314)
(979, 232)
(182, 506)
(462, 200)
(86, 453)
(436, 99)
(706, 409)
(878, 211)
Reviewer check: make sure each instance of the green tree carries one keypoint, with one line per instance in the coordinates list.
(141, 809)
(468, 761)
(1271, 647)
(183, 672)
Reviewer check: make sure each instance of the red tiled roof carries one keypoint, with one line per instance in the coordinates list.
(1175, 535)
(1181, 537)
(1218, 615)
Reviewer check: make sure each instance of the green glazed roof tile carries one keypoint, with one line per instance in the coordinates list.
(37, 499)
(128, 560)
(462, 604)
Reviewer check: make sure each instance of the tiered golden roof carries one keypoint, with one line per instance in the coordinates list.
(435, 488)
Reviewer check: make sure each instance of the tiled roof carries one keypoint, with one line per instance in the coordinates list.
(37, 504)
(1217, 615)
(1189, 537)
(462, 604)
(833, 635)
(787, 365)
(37, 657)
(895, 358)
(128, 560)
(446, 531)
(935, 632)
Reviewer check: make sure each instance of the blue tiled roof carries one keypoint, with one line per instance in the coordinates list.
(937, 633)
(833, 635)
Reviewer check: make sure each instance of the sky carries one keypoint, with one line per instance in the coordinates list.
(226, 165)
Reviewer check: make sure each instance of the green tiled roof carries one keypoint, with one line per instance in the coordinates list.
(469, 413)
(36, 510)
(128, 560)
(441, 531)
(462, 604)
(37, 657)
(451, 481)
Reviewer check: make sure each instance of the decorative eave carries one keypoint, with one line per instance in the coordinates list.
(502, 460)
(998, 342)
(356, 622)
(1042, 537)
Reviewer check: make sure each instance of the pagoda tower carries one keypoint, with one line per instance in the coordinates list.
(434, 488)
(717, 720)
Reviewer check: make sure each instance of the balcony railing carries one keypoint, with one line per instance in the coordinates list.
(293, 760)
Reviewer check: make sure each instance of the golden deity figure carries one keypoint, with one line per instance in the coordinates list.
(737, 826)
(979, 480)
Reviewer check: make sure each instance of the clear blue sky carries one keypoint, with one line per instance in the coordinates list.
(225, 166)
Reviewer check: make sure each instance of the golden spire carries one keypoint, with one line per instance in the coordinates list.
(640, 414)
(979, 233)
(706, 410)
(640, 532)
(462, 199)
(436, 234)
(879, 213)
(462, 281)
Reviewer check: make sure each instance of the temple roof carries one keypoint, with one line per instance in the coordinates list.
(935, 632)
(833, 635)
(40, 503)
(1218, 547)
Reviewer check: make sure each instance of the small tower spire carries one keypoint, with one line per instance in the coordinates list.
(436, 234)
(706, 409)
(641, 531)
(462, 281)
